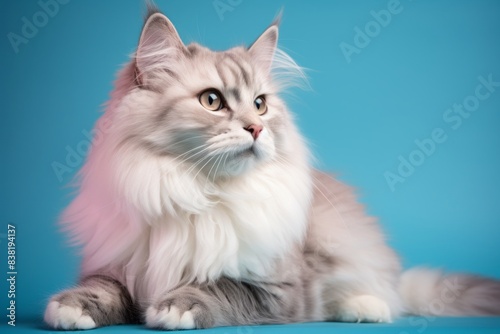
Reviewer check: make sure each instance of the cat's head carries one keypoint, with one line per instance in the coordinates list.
(217, 111)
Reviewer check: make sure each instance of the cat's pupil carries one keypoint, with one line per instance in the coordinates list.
(258, 103)
(211, 98)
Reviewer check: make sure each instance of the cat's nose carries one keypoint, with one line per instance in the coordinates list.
(254, 130)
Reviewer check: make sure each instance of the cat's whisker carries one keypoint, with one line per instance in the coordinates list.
(187, 152)
(283, 161)
(205, 148)
(206, 163)
(218, 165)
(210, 171)
(222, 156)
(190, 138)
(219, 158)
(333, 206)
(225, 160)
(342, 220)
(168, 165)
(195, 176)
(198, 162)
(194, 165)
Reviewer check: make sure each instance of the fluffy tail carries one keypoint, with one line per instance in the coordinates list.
(431, 292)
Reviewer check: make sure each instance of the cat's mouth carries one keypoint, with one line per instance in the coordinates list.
(242, 160)
(247, 152)
(245, 155)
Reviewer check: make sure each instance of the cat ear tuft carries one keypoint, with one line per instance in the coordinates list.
(263, 49)
(159, 43)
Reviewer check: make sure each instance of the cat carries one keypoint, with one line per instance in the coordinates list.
(199, 207)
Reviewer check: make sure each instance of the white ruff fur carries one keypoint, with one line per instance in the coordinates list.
(150, 223)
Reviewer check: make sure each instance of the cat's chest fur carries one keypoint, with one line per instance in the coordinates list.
(245, 226)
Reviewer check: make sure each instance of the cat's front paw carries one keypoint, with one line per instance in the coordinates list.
(179, 311)
(60, 316)
(364, 308)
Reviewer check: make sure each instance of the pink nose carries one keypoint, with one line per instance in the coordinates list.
(254, 130)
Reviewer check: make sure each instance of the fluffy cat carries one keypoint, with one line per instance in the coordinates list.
(198, 207)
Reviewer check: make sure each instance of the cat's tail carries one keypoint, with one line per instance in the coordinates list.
(432, 292)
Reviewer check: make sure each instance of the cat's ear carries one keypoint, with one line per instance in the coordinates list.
(158, 46)
(263, 49)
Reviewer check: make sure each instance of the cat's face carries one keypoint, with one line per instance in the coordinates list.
(216, 110)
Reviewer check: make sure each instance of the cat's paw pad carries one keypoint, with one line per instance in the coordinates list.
(60, 316)
(180, 310)
(170, 318)
(365, 308)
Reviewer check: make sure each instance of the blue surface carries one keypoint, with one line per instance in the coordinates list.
(402, 326)
(416, 325)
(359, 117)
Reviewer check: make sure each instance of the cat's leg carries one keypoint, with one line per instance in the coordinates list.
(354, 292)
(359, 271)
(359, 288)
(363, 308)
(97, 301)
(224, 303)
(363, 295)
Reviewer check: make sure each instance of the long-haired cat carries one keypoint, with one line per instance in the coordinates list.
(199, 207)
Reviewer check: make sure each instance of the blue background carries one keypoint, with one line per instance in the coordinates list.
(358, 116)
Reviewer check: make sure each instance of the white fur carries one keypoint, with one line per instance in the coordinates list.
(145, 221)
(67, 317)
(169, 318)
(364, 308)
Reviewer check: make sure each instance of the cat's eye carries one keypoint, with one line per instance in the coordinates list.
(211, 99)
(260, 105)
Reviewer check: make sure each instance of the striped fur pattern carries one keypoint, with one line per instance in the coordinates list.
(193, 217)
(97, 301)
